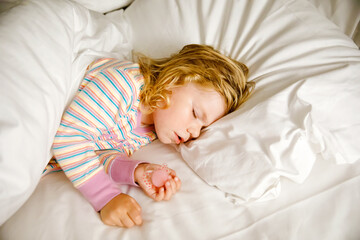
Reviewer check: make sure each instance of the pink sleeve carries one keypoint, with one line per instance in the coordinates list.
(99, 190)
(122, 169)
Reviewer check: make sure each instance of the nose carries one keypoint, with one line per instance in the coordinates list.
(194, 130)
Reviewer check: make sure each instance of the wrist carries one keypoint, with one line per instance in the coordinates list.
(139, 172)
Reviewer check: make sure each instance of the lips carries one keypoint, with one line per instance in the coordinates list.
(178, 139)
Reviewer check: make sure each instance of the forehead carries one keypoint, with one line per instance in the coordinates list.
(206, 95)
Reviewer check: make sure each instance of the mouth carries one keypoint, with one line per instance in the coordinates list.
(178, 139)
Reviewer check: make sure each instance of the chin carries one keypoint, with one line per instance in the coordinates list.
(164, 140)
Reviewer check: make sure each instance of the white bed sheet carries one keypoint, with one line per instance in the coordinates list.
(324, 206)
(191, 215)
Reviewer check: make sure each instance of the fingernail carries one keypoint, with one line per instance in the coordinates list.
(176, 179)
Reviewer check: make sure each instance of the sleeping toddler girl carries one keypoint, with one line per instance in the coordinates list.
(121, 106)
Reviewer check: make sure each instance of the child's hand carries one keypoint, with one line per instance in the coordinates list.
(172, 185)
(122, 211)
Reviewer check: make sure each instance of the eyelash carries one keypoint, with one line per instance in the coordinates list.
(195, 116)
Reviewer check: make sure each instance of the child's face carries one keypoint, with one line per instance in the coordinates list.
(191, 108)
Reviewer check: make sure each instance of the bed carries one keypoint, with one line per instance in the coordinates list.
(284, 166)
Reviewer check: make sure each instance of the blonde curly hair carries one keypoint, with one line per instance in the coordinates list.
(199, 64)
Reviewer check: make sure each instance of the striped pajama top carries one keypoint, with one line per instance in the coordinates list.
(103, 115)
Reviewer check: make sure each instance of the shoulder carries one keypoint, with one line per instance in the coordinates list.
(103, 64)
(127, 70)
(119, 79)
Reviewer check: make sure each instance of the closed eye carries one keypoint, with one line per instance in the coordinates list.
(194, 113)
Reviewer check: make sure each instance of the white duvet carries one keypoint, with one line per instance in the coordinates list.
(267, 171)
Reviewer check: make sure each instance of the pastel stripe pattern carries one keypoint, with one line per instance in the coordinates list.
(103, 115)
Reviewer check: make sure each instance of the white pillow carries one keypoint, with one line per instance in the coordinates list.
(45, 48)
(302, 64)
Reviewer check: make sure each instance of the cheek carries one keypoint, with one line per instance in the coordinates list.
(161, 115)
(161, 120)
(166, 115)
(172, 117)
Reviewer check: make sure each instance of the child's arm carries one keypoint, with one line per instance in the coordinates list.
(86, 122)
(74, 151)
(123, 210)
(171, 185)
(124, 170)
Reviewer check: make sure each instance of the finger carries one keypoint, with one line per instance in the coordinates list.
(173, 186)
(127, 222)
(115, 221)
(135, 216)
(172, 173)
(151, 193)
(111, 220)
(168, 191)
(178, 183)
(118, 223)
(160, 195)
